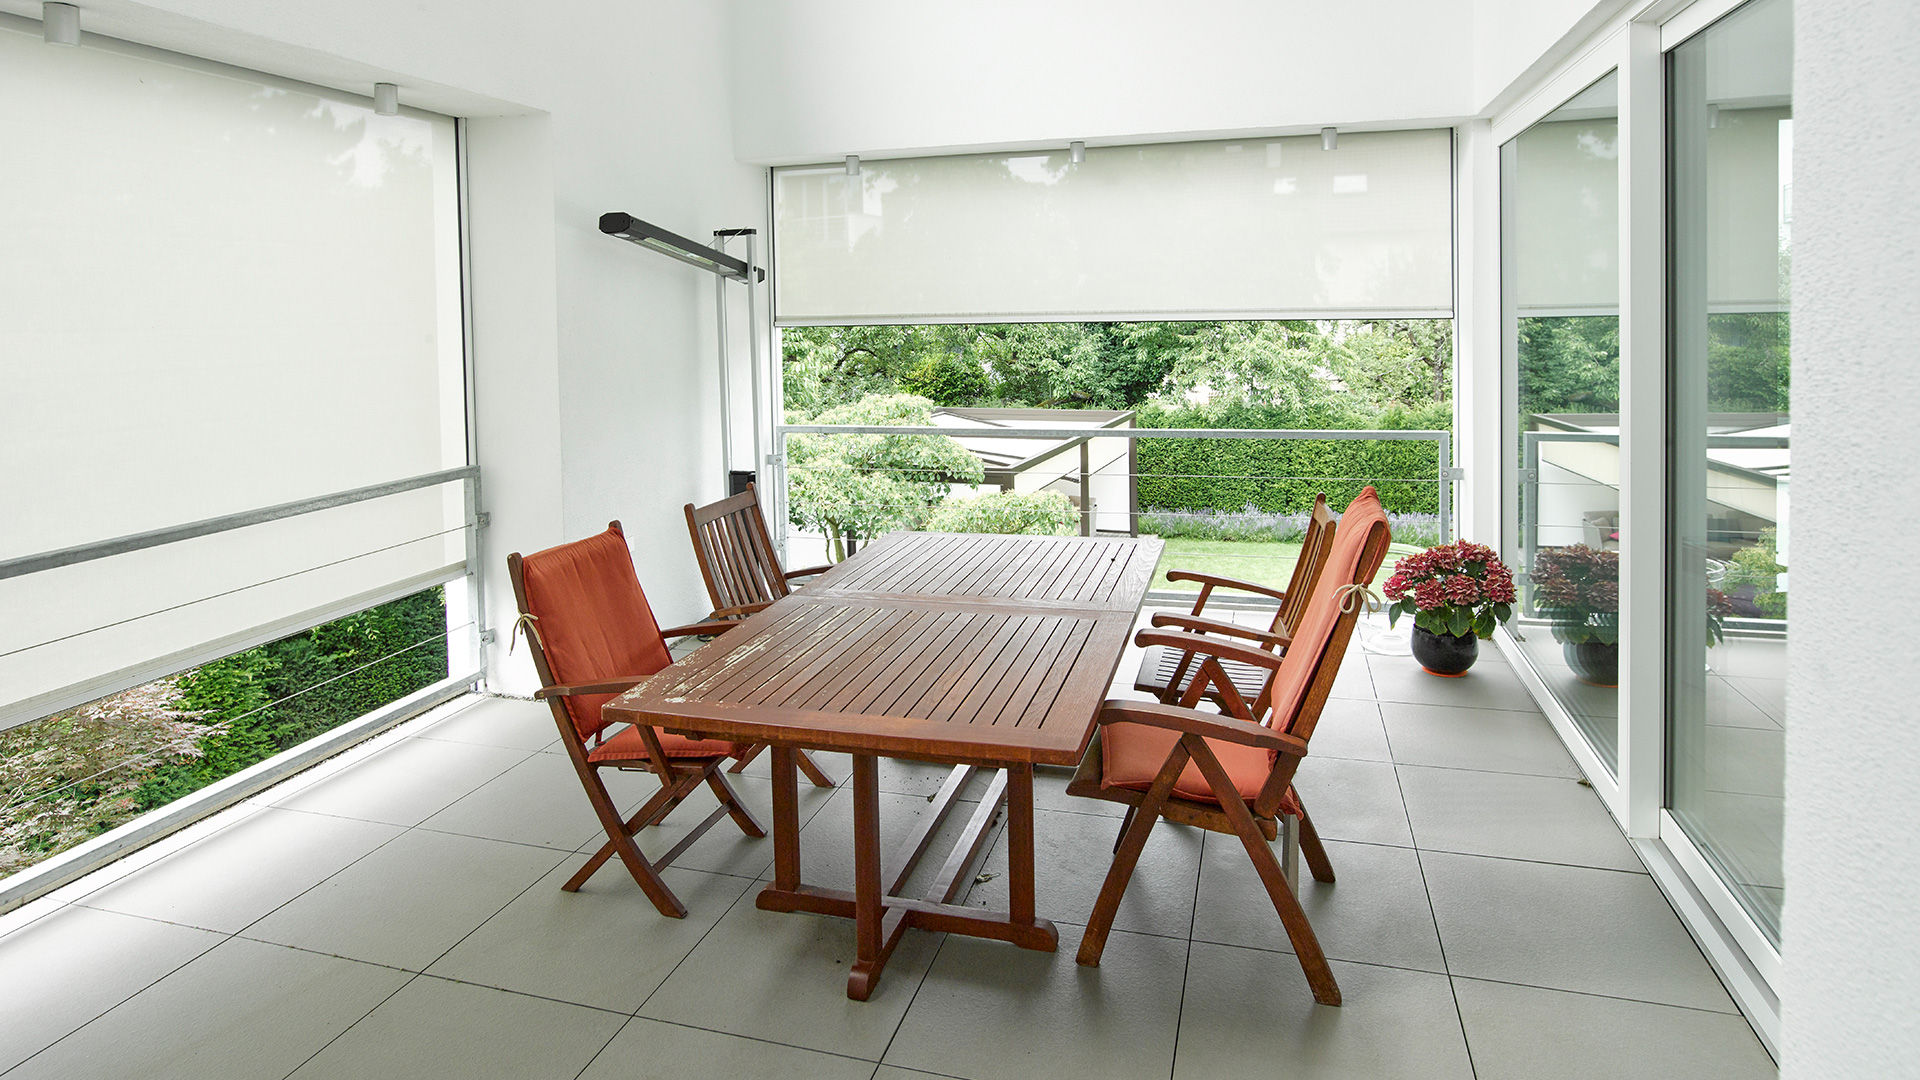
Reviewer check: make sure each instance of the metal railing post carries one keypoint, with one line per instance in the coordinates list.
(1443, 443)
(1086, 487)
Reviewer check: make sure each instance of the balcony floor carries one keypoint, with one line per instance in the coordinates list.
(397, 912)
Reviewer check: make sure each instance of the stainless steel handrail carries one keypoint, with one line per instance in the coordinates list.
(120, 545)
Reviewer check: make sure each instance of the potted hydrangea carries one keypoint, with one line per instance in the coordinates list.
(1457, 593)
(1577, 589)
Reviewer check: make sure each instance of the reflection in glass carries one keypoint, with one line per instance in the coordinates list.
(1560, 192)
(1730, 100)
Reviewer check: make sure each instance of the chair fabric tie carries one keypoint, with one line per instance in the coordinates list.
(1358, 596)
(529, 623)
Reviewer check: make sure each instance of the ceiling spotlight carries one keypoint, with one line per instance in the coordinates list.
(1077, 151)
(386, 99)
(1329, 138)
(60, 24)
(853, 164)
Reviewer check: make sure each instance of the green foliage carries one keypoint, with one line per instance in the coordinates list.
(314, 672)
(1570, 364)
(1747, 362)
(1284, 474)
(1759, 566)
(860, 486)
(1040, 513)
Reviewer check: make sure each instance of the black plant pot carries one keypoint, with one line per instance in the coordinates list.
(1445, 654)
(1595, 662)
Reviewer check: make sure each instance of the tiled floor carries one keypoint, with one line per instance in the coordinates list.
(397, 912)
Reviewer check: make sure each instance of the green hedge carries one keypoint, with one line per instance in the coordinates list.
(1285, 474)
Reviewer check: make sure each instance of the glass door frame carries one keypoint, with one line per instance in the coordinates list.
(1635, 44)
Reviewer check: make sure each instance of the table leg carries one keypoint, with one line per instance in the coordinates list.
(1020, 844)
(868, 908)
(786, 819)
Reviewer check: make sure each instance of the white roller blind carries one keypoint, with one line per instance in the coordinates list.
(1216, 229)
(1565, 247)
(222, 293)
(1745, 193)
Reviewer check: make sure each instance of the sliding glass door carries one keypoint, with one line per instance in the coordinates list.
(1560, 239)
(1730, 178)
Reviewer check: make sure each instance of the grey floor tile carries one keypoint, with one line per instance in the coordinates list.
(1249, 1013)
(1513, 816)
(1745, 760)
(724, 849)
(1353, 800)
(234, 877)
(651, 1048)
(410, 901)
(76, 963)
(605, 945)
(498, 721)
(826, 840)
(1050, 793)
(1355, 679)
(1375, 912)
(1349, 728)
(434, 1028)
(1522, 1032)
(783, 977)
(405, 783)
(1567, 928)
(541, 801)
(1072, 853)
(990, 1011)
(244, 1009)
(1490, 740)
(1728, 707)
(1490, 684)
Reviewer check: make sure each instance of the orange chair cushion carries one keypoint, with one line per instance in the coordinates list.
(593, 619)
(1311, 639)
(627, 745)
(1131, 756)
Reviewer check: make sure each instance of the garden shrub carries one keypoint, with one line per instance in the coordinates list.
(1040, 513)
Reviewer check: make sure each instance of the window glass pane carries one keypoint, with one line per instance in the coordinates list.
(1560, 192)
(1731, 179)
(1276, 226)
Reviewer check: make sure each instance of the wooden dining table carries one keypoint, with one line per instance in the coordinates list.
(980, 651)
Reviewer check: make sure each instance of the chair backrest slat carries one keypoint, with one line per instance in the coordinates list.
(735, 551)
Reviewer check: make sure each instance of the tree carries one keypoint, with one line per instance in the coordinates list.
(860, 486)
(1570, 364)
(1039, 513)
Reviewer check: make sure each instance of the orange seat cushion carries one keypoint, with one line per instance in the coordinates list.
(593, 619)
(629, 746)
(1131, 756)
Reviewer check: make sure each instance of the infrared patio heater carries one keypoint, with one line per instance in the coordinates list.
(725, 268)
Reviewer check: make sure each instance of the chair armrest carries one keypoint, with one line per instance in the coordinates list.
(1206, 725)
(603, 686)
(1211, 646)
(1219, 582)
(1216, 626)
(808, 572)
(709, 626)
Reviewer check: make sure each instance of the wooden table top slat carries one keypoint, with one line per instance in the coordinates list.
(967, 647)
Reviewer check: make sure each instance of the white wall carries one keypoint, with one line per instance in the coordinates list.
(1514, 41)
(593, 358)
(1851, 941)
(819, 79)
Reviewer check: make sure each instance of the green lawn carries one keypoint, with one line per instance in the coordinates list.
(1265, 563)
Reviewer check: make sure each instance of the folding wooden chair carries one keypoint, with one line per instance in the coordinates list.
(1165, 672)
(743, 575)
(593, 636)
(1232, 772)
